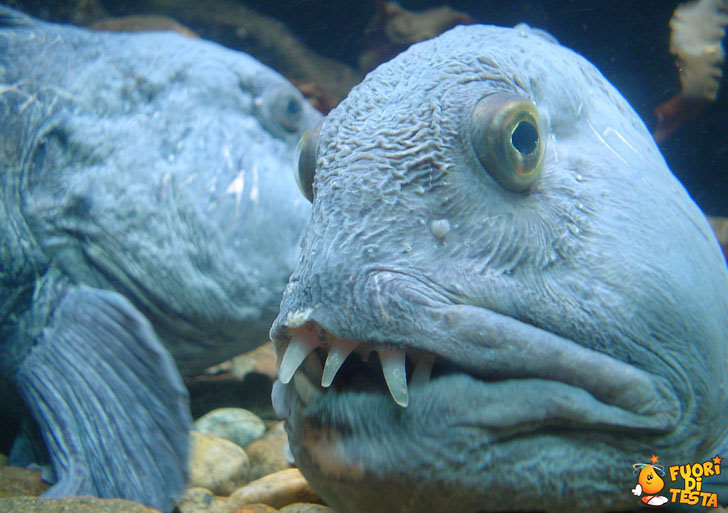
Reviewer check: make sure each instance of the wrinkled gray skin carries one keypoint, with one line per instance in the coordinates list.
(588, 317)
(147, 197)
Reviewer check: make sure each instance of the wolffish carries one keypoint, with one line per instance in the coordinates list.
(149, 225)
(546, 303)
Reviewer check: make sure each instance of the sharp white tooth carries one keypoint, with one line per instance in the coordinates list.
(421, 374)
(394, 374)
(307, 391)
(296, 352)
(338, 352)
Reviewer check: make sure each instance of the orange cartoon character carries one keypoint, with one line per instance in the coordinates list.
(649, 482)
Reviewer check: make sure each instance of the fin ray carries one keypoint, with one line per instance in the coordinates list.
(109, 402)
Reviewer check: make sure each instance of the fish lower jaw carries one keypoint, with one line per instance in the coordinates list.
(320, 363)
(317, 362)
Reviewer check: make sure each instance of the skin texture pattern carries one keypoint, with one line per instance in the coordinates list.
(507, 296)
(149, 225)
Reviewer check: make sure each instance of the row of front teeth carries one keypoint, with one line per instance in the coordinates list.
(392, 360)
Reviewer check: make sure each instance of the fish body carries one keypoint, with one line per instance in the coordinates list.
(150, 223)
(507, 295)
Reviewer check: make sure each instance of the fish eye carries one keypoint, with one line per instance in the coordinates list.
(287, 109)
(506, 134)
(304, 167)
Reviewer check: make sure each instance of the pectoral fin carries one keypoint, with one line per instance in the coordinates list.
(108, 400)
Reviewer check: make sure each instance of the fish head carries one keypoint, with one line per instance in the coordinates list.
(160, 166)
(546, 303)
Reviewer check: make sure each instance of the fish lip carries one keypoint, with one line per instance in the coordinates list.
(339, 449)
(346, 440)
(643, 398)
(356, 439)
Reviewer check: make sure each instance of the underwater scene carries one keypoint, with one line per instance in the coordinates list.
(363, 257)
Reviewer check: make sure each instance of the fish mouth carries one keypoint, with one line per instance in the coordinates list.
(547, 380)
(378, 425)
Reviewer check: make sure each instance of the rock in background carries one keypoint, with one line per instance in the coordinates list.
(393, 29)
(141, 24)
(243, 382)
(720, 227)
(279, 490)
(72, 505)
(268, 454)
(19, 482)
(235, 424)
(286, 489)
(216, 464)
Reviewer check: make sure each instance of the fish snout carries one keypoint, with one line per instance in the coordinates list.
(318, 329)
(376, 304)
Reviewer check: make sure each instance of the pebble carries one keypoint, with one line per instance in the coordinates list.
(17, 482)
(305, 507)
(72, 505)
(235, 424)
(217, 464)
(268, 454)
(256, 508)
(202, 500)
(277, 490)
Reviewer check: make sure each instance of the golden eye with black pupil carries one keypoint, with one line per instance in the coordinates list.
(507, 136)
(304, 167)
